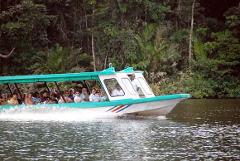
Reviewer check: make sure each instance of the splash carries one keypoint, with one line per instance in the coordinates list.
(161, 117)
(53, 114)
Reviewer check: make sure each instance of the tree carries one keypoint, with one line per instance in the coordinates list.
(25, 22)
(156, 53)
(191, 33)
(61, 60)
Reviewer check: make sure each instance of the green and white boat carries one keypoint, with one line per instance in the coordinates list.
(130, 102)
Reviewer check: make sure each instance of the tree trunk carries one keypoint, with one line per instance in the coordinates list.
(87, 30)
(178, 17)
(191, 35)
(93, 53)
(93, 45)
(179, 6)
(105, 62)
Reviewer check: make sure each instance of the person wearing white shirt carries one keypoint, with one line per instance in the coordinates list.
(117, 91)
(84, 95)
(77, 97)
(94, 97)
(102, 96)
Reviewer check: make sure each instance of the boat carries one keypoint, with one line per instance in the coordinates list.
(128, 102)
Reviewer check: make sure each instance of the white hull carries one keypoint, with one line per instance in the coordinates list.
(151, 108)
(158, 108)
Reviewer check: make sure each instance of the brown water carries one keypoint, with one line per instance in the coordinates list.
(195, 130)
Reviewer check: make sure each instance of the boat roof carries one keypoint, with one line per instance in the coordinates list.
(61, 77)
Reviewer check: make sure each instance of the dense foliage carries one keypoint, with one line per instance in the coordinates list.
(57, 36)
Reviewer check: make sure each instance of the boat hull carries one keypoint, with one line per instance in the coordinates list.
(155, 106)
(158, 108)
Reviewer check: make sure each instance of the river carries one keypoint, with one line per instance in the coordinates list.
(195, 130)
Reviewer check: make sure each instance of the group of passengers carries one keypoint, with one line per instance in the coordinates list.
(53, 97)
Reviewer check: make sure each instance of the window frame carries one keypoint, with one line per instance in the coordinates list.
(148, 91)
(133, 91)
(109, 90)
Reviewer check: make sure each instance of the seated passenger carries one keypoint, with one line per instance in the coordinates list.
(53, 98)
(61, 100)
(71, 94)
(3, 99)
(102, 95)
(36, 98)
(66, 98)
(44, 96)
(50, 100)
(77, 97)
(94, 97)
(13, 100)
(117, 91)
(28, 99)
(84, 95)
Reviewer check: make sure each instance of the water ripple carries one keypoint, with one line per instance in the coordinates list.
(193, 135)
(118, 140)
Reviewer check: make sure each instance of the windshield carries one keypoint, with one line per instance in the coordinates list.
(113, 87)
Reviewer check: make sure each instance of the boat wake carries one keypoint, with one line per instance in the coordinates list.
(53, 114)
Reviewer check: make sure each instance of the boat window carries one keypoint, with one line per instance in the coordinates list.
(128, 85)
(145, 86)
(113, 87)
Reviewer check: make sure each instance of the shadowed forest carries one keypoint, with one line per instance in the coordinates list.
(190, 46)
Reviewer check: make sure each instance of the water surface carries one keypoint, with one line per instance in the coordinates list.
(195, 130)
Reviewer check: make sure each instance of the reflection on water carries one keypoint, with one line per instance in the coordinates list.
(225, 111)
(197, 129)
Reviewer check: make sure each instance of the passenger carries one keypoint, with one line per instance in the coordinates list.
(40, 96)
(136, 85)
(47, 101)
(77, 97)
(134, 82)
(84, 95)
(102, 95)
(66, 98)
(45, 96)
(20, 101)
(117, 91)
(71, 94)
(13, 100)
(3, 99)
(28, 99)
(36, 98)
(94, 97)
(61, 100)
(51, 101)
(53, 98)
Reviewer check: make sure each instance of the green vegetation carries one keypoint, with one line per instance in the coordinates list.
(58, 36)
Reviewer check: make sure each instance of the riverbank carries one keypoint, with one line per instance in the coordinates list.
(198, 86)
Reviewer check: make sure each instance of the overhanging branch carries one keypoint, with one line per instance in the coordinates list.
(8, 55)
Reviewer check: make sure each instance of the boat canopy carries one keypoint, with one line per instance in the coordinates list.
(56, 77)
